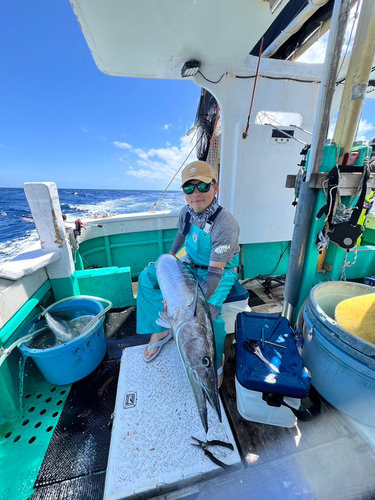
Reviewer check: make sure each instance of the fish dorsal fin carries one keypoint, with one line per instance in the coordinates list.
(193, 306)
(195, 301)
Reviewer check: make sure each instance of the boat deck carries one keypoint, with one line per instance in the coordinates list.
(328, 458)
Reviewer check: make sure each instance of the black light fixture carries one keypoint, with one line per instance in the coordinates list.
(190, 68)
(370, 86)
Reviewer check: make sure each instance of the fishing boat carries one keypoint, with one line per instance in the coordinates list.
(262, 124)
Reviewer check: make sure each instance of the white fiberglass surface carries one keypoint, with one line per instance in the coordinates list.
(150, 39)
(155, 417)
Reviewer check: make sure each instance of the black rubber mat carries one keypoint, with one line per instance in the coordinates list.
(120, 323)
(120, 330)
(82, 488)
(80, 443)
(254, 299)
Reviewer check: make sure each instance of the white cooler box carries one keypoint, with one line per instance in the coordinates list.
(236, 302)
(251, 406)
(263, 393)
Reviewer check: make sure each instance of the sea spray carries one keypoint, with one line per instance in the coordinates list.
(22, 363)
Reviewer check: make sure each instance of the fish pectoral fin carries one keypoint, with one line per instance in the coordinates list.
(214, 311)
(164, 320)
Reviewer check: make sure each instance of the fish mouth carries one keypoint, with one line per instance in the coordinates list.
(199, 361)
(203, 392)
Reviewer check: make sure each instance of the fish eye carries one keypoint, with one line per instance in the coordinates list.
(206, 362)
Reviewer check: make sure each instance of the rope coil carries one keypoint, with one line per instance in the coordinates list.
(347, 264)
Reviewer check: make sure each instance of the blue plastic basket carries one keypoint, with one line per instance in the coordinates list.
(74, 360)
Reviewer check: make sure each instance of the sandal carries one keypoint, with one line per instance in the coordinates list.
(158, 346)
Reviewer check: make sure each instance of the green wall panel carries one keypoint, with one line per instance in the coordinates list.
(265, 259)
(109, 283)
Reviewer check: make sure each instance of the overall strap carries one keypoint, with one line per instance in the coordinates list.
(209, 222)
(187, 224)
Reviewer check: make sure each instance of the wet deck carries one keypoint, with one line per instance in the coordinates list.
(328, 458)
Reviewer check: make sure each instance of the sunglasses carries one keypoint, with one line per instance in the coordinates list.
(202, 187)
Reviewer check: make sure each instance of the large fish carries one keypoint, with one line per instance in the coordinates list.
(189, 317)
(64, 330)
(58, 327)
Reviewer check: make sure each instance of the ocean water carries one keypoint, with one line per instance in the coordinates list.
(17, 229)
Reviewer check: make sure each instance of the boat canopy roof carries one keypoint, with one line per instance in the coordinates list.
(154, 38)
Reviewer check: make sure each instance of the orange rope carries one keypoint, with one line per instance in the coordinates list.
(245, 134)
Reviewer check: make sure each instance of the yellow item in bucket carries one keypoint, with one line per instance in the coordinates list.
(357, 316)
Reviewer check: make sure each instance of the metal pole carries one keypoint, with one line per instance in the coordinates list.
(307, 195)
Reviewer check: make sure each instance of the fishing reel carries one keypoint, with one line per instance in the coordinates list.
(78, 228)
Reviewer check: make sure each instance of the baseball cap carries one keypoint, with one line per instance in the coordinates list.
(198, 170)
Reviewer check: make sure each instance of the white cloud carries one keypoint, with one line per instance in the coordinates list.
(159, 163)
(166, 127)
(316, 53)
(332, 127)
(122, 145)
(363, 129)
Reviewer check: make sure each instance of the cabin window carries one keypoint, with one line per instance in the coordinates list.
(282, 125)
(278, 119)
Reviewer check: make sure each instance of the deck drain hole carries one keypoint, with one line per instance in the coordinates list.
(17, 438)
(39, 396)
(25, 422)
(53, 389)
(43, 412)
(55, 414)
(31, 409)
(27, 396)
(48, 400)
(31, 440)
(7, 435)
(59, 402)
(38, 425)
(49, 429)
(63, 392)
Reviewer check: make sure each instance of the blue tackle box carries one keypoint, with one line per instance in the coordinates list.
(266, 393)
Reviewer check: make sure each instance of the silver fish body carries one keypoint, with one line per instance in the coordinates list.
(58, 327)
(188, 316)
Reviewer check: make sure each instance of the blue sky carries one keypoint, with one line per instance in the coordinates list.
(63, 120)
